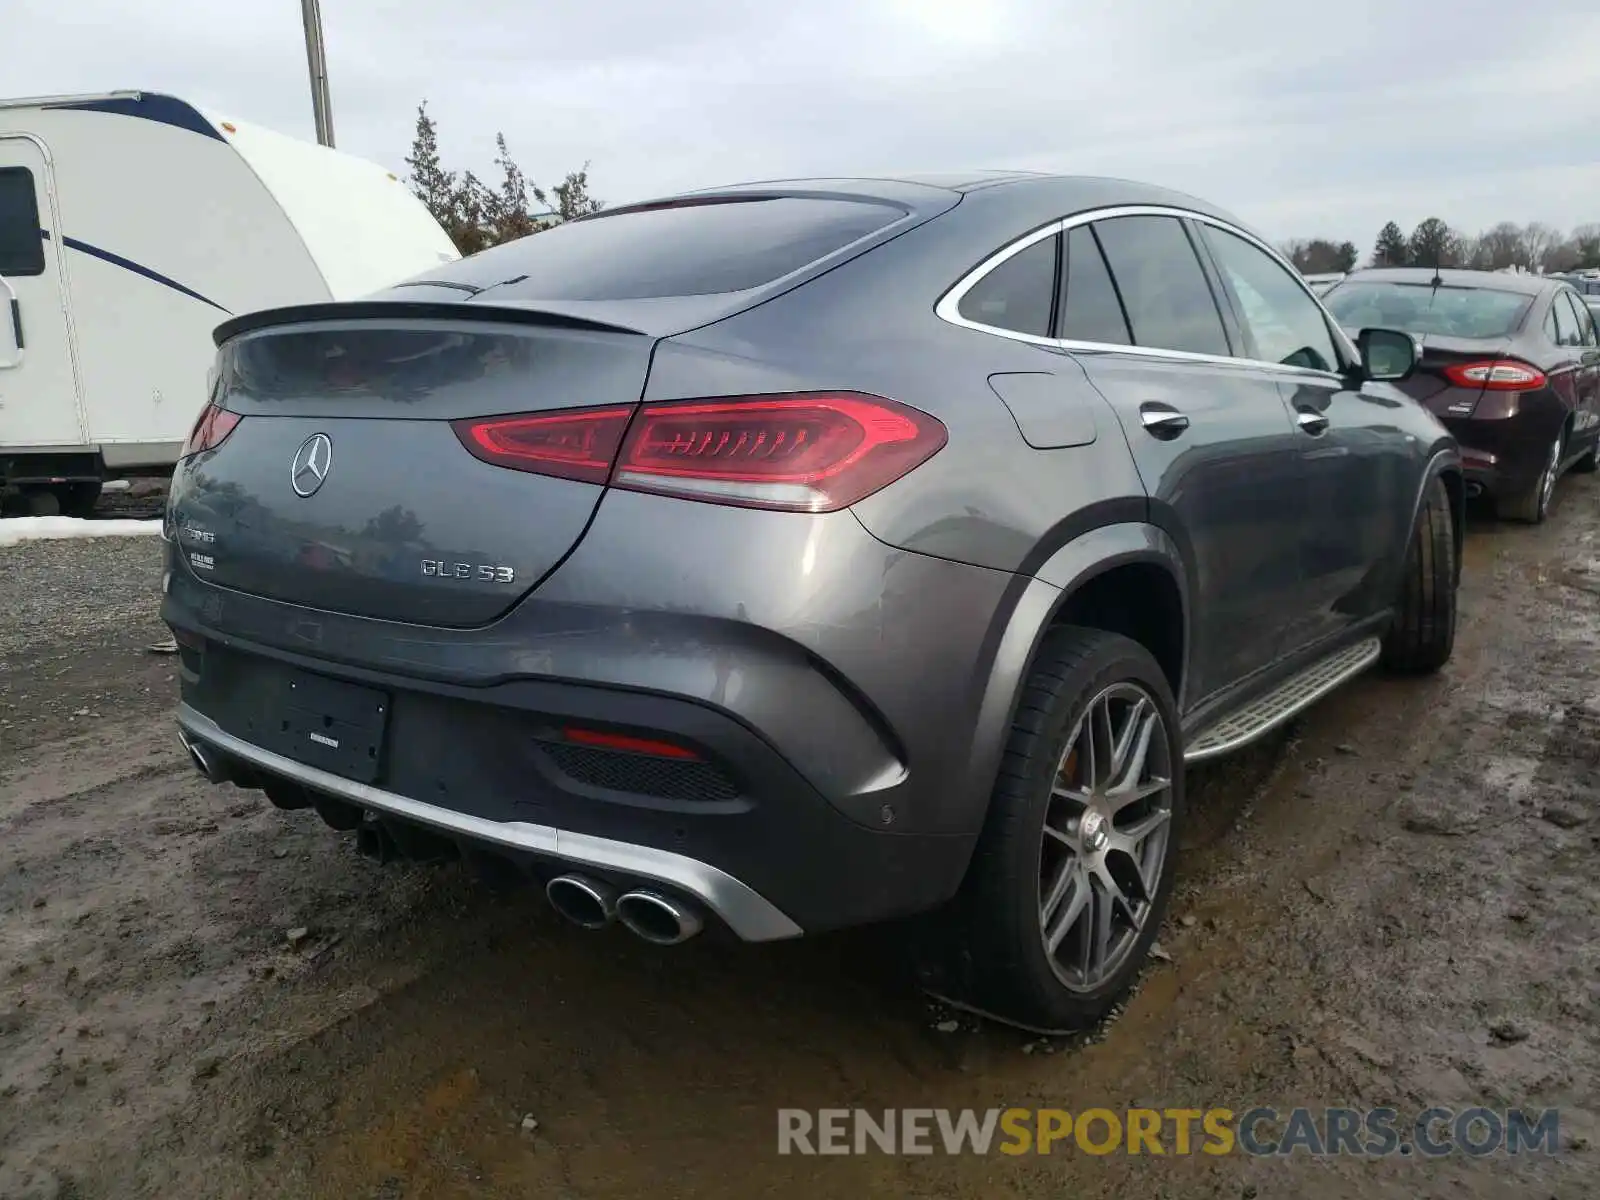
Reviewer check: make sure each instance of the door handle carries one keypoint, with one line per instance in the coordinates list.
(1161, 421)
(15, 306)
(1311, 421)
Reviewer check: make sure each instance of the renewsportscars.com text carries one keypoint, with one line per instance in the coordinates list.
(1378, 1132)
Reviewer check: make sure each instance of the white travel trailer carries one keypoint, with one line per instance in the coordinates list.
(131, 224)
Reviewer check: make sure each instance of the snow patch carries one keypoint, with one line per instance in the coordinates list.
(16, 530)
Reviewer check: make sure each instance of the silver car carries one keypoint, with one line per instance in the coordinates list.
(799, 555)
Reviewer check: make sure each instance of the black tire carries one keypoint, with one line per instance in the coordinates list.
(78, 499)
(41, 502)
(1588, 464)
(998, 919)
(1532, 504)
(1424, 629)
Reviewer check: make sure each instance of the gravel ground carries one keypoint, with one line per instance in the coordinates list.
(1395, 903)
(78, 616)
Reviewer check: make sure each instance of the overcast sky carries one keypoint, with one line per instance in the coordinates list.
(1304, 118)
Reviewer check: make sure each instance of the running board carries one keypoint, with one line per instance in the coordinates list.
(1266, 713)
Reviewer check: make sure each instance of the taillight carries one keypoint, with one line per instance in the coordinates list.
(796, 452)
(1496, 375)
(210, 431)
(580, 443)
(808, 453)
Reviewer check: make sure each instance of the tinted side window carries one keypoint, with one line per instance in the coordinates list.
(1019, 293)
(1165, 293)
(1284, 323)
(1090, 310)
(1583, 324)
(1566, 321)
(21, 245)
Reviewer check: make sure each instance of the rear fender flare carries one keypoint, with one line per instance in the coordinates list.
(1034, 602)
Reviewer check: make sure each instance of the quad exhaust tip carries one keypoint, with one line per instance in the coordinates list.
(590, 903)
(583, 901)
(657, 918)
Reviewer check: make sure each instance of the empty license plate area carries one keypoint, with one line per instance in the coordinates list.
(331, 724)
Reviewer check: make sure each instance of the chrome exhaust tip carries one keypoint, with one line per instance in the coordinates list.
(203, 761)
(583, 901)
(659, 919)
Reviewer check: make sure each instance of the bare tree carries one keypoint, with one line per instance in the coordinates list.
(1537, 239)
(1586, 239)
(1500, 247)
(1563, 256)
(1320, 256)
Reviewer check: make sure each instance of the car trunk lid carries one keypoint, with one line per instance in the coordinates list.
(344, 487)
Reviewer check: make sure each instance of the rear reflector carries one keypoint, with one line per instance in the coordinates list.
(210, 431)
(1496, 375)
(632, 745)
(793, 452)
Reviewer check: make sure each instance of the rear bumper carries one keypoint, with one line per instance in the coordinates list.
(1497, 460)
(772, 843)
(747, 837)
(750, 915)
(836, 690)
(1505, 443)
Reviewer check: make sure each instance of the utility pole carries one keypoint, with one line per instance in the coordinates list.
(317, 60)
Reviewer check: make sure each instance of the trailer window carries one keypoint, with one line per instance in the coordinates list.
(21, 242)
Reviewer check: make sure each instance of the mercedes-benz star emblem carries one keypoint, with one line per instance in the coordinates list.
(310, 465)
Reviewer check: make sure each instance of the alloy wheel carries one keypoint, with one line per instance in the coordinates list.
(1552, 468)
(1106, 833)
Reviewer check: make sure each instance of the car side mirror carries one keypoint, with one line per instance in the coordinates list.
(1389, 355)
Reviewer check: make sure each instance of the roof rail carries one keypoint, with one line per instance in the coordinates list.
(45, 101)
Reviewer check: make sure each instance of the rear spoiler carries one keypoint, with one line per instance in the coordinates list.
(407, 310)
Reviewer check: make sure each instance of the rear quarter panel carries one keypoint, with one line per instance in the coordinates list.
(988, 498)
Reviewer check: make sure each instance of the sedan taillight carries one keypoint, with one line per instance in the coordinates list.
(1496, 375)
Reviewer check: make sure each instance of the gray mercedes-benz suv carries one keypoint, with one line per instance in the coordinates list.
(805, 554)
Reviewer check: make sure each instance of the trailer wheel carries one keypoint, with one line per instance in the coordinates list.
(41, 502)
(78, 499)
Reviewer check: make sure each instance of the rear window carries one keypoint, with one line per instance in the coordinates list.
(695, 249)
(1419, 308)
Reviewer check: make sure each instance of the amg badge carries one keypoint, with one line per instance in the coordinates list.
(482, 572)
